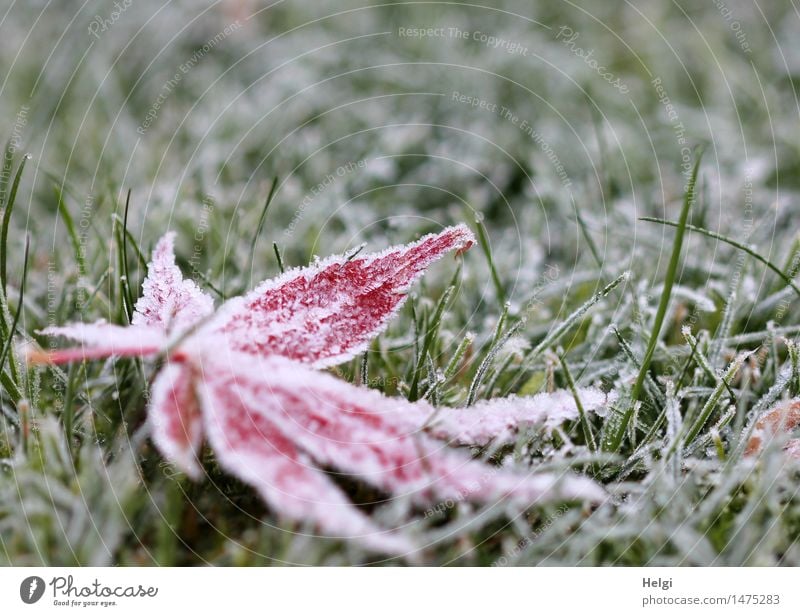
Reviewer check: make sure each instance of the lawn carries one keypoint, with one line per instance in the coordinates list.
(629, 172)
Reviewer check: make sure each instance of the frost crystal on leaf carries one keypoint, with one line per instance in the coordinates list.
(247, 382)
(328, 313)
(499, 420)
(361, 432)
(101, 339)
(168, 301)
(174, 417)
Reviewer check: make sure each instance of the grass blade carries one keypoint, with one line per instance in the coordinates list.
(587, 429)
(565, 326)
(20, 304)
(263, 216)
(731, 242)
(480, 374)
(126, 294)
(9, 207)
(587, 236)
(672, 272)
(427, 344)
(722, 384)
(5, 173)
(454, 365)
(278, 256)
(483, 240)
(69, 223)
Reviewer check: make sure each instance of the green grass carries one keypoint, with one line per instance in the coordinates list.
(624, 279)
(615, 438)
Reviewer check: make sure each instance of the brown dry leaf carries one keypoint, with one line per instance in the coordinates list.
(781, 419)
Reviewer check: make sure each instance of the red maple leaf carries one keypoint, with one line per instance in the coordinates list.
(246, 379)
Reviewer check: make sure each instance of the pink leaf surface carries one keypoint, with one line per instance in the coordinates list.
(250, 446)
(379, 439)
(176, 424)
(168, 301)
(99, 340)
(328, 313)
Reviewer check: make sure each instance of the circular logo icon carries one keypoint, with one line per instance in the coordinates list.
(31, 589)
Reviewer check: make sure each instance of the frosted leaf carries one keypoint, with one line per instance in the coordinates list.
(378, 439)
(328, 313)
(780, 420)
(176, 425)
(499, 420)
(245, 381)
(168, 301)
(101, 339)
(249, 445)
